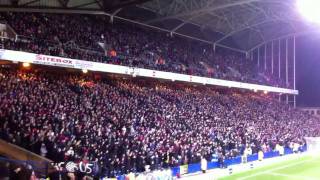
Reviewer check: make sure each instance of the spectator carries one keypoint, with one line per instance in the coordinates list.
(125, 125)
(93, 38)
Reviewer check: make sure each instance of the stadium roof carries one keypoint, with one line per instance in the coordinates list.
(238, 24)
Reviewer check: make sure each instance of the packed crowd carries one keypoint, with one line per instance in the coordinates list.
(126, 124)
(78, 36)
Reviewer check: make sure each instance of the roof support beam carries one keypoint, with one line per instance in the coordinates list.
(242, 29)
(30, 2)
(83, 5)
(64, 3)
(202, 11)
(210, 10)
(296, 34)
(161, 29)
(230, 48)
(183, 23)
(179, 26)
(116, 4)
(99, 4)
(114, 13)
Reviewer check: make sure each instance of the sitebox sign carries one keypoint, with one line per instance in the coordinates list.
(53, 61)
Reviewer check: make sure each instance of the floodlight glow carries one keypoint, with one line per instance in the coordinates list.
(26, 65)
(309, 9)
(85, 71)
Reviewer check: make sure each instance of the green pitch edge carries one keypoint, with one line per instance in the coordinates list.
(300, 168)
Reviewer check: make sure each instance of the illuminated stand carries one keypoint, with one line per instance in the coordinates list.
(279, 58)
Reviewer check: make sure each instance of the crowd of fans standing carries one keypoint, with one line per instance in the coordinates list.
(126, 124)
(78, 36)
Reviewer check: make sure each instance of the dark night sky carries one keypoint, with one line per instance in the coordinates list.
(308, 70)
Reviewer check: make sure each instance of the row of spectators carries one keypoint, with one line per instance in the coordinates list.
(78, 36)
(126, 124)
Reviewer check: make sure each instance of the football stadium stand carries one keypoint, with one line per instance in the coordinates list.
(151, 101)
(125, 125)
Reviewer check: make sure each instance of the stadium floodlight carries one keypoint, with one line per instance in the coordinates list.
(85, 71)
(309, 9)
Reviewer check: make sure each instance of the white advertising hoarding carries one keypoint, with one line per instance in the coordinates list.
(19, 56)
